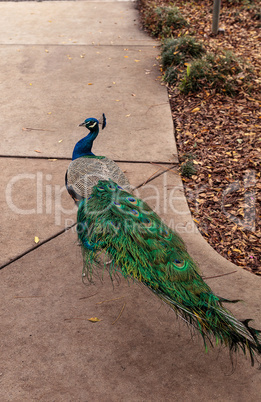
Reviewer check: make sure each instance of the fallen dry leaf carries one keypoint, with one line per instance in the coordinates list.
(94, 319)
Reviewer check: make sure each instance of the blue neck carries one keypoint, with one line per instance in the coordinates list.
(84, 146)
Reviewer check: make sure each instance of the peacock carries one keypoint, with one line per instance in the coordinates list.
(111, 220)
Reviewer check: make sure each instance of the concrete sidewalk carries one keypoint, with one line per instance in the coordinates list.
(62, 62)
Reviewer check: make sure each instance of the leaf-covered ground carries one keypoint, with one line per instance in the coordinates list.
(221, 135)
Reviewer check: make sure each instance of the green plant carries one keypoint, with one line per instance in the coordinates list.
(179, 50)
(171, 75)
(163, 21)
(238, 2)
(254, 11)
(187, 169)
(215, 71)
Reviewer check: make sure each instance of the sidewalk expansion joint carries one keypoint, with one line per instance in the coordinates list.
(153, 45)
(18, 257)
(64, 158)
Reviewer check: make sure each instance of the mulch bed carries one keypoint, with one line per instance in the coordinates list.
(221, 134)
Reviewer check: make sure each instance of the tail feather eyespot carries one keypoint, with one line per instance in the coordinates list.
(146, 222)
(111, 187)
(179, 263)
(134, 212)
(132, 200)
(100, 188)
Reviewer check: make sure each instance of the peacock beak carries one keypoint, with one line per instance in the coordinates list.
(82, 124)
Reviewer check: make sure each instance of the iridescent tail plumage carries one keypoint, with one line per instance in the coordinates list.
(142, 247)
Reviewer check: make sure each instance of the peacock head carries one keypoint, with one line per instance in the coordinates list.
(92, 124)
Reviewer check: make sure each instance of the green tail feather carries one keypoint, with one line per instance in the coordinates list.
(141, 246)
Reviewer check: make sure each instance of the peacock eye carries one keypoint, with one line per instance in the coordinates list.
(134, 212)
(117, 204)
(179, 263)
(147, 222)
(100, 188)
(165, 233)
(132, 200)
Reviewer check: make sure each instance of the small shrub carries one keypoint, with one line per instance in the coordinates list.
(198, 75)
(187, 169)
(215, 71)
(254, 11)
(238, 2)
(177, 51)
(162, 21)
(171, 75)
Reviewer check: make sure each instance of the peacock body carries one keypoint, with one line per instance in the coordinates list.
(85, 172)
(112, 220)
